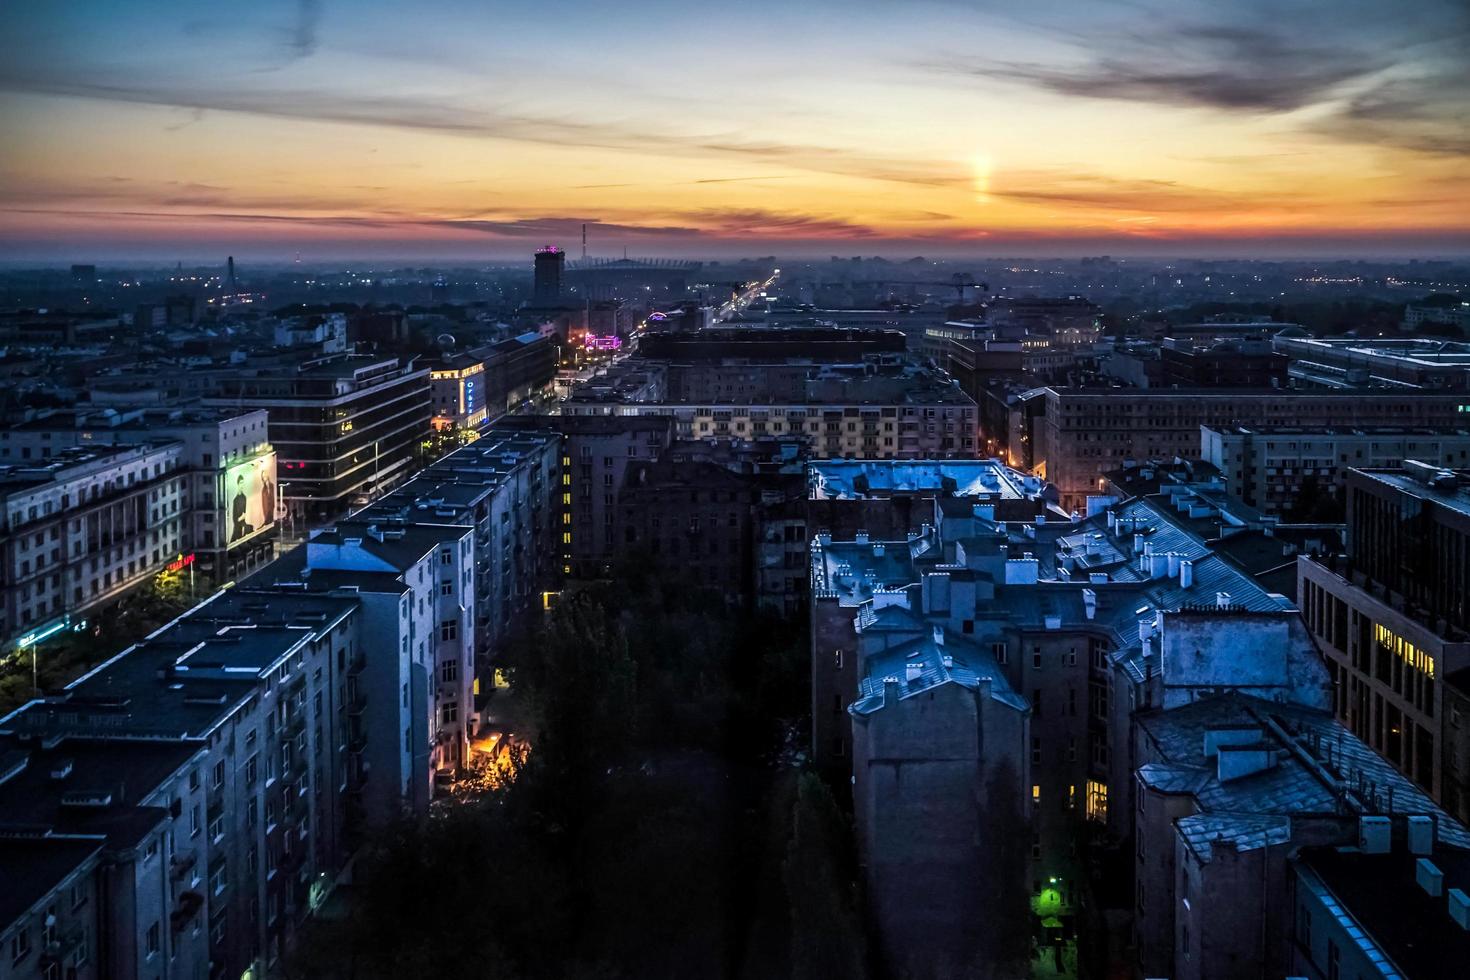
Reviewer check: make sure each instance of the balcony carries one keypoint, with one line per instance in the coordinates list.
(181, 865)
(189, 905)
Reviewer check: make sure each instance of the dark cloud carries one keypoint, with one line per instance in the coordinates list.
(1394, 76)
(303, 41)
(1428, 114)
(1099, 192)
(1236, 68)
(755, 222)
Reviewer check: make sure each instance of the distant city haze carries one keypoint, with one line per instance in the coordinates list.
(449, 129)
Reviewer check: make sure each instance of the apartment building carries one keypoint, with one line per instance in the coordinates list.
(81, 528)
(48, 922)
(1041, 609)
(417, 584)
(1269, 467)
(507, 488)
(211, 765)
(1080, 434)
(231, 491)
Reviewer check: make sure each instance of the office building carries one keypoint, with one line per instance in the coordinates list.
(345, 427)
(1393, 619)
(899, 412)
(1421, 364)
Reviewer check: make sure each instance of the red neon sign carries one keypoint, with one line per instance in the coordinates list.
(183, 561)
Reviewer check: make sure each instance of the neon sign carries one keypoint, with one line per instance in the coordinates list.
(180, 563)
(31, 639)
(608, 342)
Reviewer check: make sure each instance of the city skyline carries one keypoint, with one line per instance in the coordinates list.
(159, 130)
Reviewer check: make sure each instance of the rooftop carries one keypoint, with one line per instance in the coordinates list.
(1316, 767)
(1447, 488)
(91, 786)
(34, 867)
(187, 677)
(861, 479)
(921, 665)
(1378, 900)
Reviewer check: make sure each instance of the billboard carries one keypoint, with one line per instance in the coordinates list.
(249, 498)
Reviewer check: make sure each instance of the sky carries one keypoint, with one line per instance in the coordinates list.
(183, 129)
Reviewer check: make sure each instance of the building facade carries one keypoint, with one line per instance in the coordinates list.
(1270, 467)
(82, 528)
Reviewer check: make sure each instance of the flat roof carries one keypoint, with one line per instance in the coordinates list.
(1379, 894)
(861, 479)
(1452, 496)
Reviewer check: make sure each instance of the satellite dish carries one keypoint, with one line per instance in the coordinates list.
(445, 340)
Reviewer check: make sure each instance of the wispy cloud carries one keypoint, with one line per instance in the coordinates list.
(466, 118)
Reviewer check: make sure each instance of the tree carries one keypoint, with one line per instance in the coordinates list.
(582, 685)
(826, 934)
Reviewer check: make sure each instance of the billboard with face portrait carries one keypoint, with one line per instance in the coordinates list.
(249, 498)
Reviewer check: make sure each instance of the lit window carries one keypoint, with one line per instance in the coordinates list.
(1097, 801)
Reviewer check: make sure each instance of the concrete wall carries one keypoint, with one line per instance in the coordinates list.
(920, 771)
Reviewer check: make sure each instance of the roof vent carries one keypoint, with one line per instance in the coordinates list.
(87, 799)
(1429, 877)
(1421, 835)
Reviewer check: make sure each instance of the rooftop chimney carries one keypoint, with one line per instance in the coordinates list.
(913, 672)
(1374, 835)
(1222, 600)
(1459, 904)
(1186, 573)
(1429, 877)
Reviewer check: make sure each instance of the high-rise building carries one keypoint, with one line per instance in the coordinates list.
(546, 288)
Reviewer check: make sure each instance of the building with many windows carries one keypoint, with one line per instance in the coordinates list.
(82, 527)
(344, 426)
(231, 491)
(211, 766)
(1393, 618)
(1272, 467)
